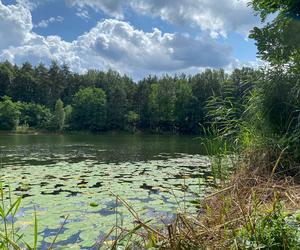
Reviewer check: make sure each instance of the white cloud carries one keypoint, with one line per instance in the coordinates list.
(32, 4)
(15, 25)
(218, 17)
(113, 8)
(83, 13)
(110, 44)
(44, 23)
(119, 45)
(43, 49)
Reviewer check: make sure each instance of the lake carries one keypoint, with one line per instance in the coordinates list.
(76, 174)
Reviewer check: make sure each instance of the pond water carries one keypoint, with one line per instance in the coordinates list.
(75, 175)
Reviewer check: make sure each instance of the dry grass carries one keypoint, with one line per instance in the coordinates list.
(221, 214)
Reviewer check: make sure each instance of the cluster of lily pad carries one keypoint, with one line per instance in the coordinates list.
(82, 189)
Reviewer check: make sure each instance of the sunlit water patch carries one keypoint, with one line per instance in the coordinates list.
(79, 180)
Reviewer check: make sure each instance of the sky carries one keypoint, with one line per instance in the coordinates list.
(134, 37)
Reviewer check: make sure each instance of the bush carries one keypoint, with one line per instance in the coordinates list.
(270, 230)
(9, 114)
(34, 115)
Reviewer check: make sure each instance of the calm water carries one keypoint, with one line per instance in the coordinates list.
(61, 175)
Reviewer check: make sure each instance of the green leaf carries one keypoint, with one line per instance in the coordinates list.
(35, 231)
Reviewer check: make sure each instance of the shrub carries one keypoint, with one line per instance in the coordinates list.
(34, 115)
(9, 114)
(270, 230)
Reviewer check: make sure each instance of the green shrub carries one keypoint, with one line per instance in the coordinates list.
(34, 115)
(9, 114)
(269, 230)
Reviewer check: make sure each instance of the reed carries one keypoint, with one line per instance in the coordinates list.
(11, 238)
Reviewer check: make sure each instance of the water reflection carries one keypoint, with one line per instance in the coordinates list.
(64, 175)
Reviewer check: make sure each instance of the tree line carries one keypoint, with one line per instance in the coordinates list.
(54, 98)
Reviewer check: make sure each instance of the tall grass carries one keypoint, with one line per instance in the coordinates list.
(249, 212)
(11, 238)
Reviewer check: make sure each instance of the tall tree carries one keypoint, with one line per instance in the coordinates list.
(24, 86)
(59, 116)
(89, 109)
(184, 106)
(6, 77)
(142, 100)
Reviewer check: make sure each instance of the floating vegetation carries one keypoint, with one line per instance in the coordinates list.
(75, 181)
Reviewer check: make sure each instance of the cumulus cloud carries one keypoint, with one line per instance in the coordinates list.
(111, 44)
(218, 17)
(120, 43)
(15, 25)
(43, 49)
(44, 23)
(111, 7)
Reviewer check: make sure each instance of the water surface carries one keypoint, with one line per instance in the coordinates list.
(61, 175)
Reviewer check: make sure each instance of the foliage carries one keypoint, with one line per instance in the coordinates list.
(170, 103)
(9, 114)
(68, 114)
(133, 119)
(57, 121)
(11, 236)
(6, 77)
(275, 104)
(89, 109)
(269, 230)
(34, 115)
(226, 111)
(279, 40)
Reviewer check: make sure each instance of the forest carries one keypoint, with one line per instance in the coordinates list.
(55, 98)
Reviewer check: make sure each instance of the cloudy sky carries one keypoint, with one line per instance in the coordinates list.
(136, 37)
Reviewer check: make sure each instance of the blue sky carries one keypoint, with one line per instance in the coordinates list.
(135, 37)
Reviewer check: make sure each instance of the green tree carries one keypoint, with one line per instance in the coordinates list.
(184, 106)
(204, 85)
(9, 114)
(68, 116)
(58, 119)
(89, 109)
(43, 81)
(166, 98)
(6, 77)
(142, 99)
(278, 41)
(133, 119)
(24, 86)
(116, 106)
(153, 107)
(34, 115)
(56, 84)
(276, 98)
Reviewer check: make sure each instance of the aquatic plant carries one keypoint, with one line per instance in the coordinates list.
(249, 212)
(11, 236)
